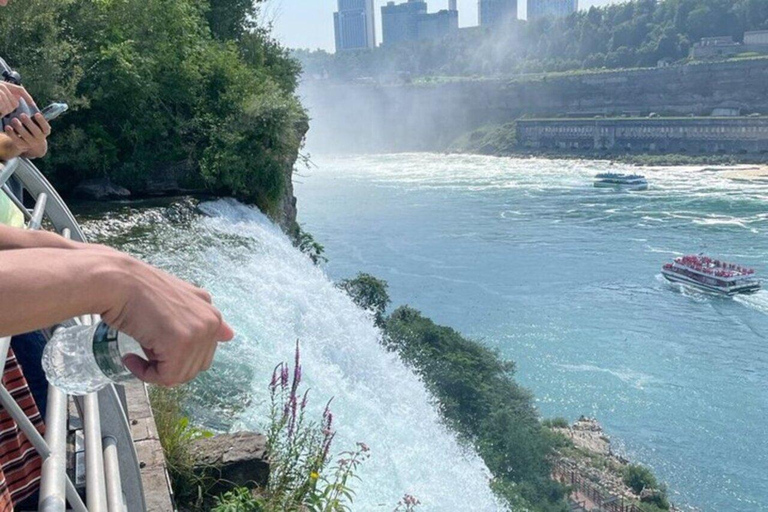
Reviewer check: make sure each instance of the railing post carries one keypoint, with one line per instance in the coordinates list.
(112, 475)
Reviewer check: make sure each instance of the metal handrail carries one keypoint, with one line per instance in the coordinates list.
(112, 464)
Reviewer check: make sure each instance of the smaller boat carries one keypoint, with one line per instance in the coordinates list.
(711, 275)
(624, 181)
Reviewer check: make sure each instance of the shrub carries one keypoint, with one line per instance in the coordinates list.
(481, 401)
(555, 422)
(638, 477)
(299, 452)
(369, 293)
(176, 437)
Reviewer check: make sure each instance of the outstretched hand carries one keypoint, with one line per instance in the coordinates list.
(172, 320)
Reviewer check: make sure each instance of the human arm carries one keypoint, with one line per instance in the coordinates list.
(174, 321)
(15, 238)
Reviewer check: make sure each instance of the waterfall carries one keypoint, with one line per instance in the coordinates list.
(273, 295)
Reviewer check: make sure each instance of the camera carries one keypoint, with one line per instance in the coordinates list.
(13, 77)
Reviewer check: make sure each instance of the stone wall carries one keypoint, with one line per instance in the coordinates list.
(371, 117)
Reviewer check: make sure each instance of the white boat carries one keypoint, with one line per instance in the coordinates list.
(624, 181)
(711, 275)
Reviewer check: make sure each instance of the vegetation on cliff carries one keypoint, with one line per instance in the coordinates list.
(636, 33)
(188, 92)
(478, 398)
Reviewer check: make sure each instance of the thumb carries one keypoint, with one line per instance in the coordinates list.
(142, 369)
(225, 332)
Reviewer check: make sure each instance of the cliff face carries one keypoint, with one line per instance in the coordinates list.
(286, 212)
(348, 117)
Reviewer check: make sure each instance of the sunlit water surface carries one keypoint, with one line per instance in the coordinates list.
(526, 255)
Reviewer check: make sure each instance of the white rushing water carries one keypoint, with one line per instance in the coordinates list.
(273, 295)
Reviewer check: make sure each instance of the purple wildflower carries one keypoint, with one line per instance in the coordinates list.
(284, 375)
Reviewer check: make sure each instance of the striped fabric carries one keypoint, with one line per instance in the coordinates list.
(19, 461)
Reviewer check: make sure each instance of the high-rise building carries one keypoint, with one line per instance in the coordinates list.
(551, 8)
(495, 12)
(410, 21)
(400, 22)
(354, 25)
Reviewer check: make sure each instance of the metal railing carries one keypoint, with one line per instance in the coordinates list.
(112, 472)
(602, 500)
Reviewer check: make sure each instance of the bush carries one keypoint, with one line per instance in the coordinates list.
(161, 90)
(638, 477)
(556, 423)
(176, 437)
(299, 452)
(481, 401)
(369, 293)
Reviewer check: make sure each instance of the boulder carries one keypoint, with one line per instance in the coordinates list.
(100, 188)
(238, 460)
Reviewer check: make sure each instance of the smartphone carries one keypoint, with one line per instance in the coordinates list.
(54, 110)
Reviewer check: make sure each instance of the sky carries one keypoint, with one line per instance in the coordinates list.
(309, 23)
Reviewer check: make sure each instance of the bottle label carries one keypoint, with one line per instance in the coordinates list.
(106, 350)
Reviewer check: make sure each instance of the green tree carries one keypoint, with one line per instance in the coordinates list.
(191, 92)
(369, 293)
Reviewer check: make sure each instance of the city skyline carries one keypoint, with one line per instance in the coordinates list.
(309, 23)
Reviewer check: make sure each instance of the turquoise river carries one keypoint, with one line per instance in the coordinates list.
(563, 278)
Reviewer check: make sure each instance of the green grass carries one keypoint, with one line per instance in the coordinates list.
(191, 487)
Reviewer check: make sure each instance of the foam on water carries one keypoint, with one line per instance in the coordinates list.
(273, 295)
(757, 301)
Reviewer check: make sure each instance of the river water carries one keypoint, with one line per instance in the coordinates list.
(564, 279)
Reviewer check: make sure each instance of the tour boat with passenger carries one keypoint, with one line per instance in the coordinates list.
(711, 275)
(624, 181)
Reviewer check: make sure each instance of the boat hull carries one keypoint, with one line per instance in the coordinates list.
(747, 288)
(623, 186)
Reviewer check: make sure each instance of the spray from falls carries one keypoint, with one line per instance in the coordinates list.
(273, 295)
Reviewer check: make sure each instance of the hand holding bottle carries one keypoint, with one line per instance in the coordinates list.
(175, 323)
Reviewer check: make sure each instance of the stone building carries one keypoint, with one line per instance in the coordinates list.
(676, 135)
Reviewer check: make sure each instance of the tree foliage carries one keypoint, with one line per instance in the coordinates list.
(185, 90)
(636, 33)
(480, 399)
(369, 293)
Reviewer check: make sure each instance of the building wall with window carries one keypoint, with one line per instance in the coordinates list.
(551, 8)
(495, 12)
(354, 25)
(679, 135)
(400, 22)
(410, 21)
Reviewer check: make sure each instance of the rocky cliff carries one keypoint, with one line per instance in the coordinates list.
(428, 116)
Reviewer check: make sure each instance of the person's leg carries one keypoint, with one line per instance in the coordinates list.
(29, 353)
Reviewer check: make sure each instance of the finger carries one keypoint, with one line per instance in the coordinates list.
(143, 370)
(42, 122)
(20, 92)
(209, 359)
(13, 101)
(225, 332)
(20, 144)
(21, 131)
(32, 127)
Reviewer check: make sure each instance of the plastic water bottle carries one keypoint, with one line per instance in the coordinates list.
(85, 358)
